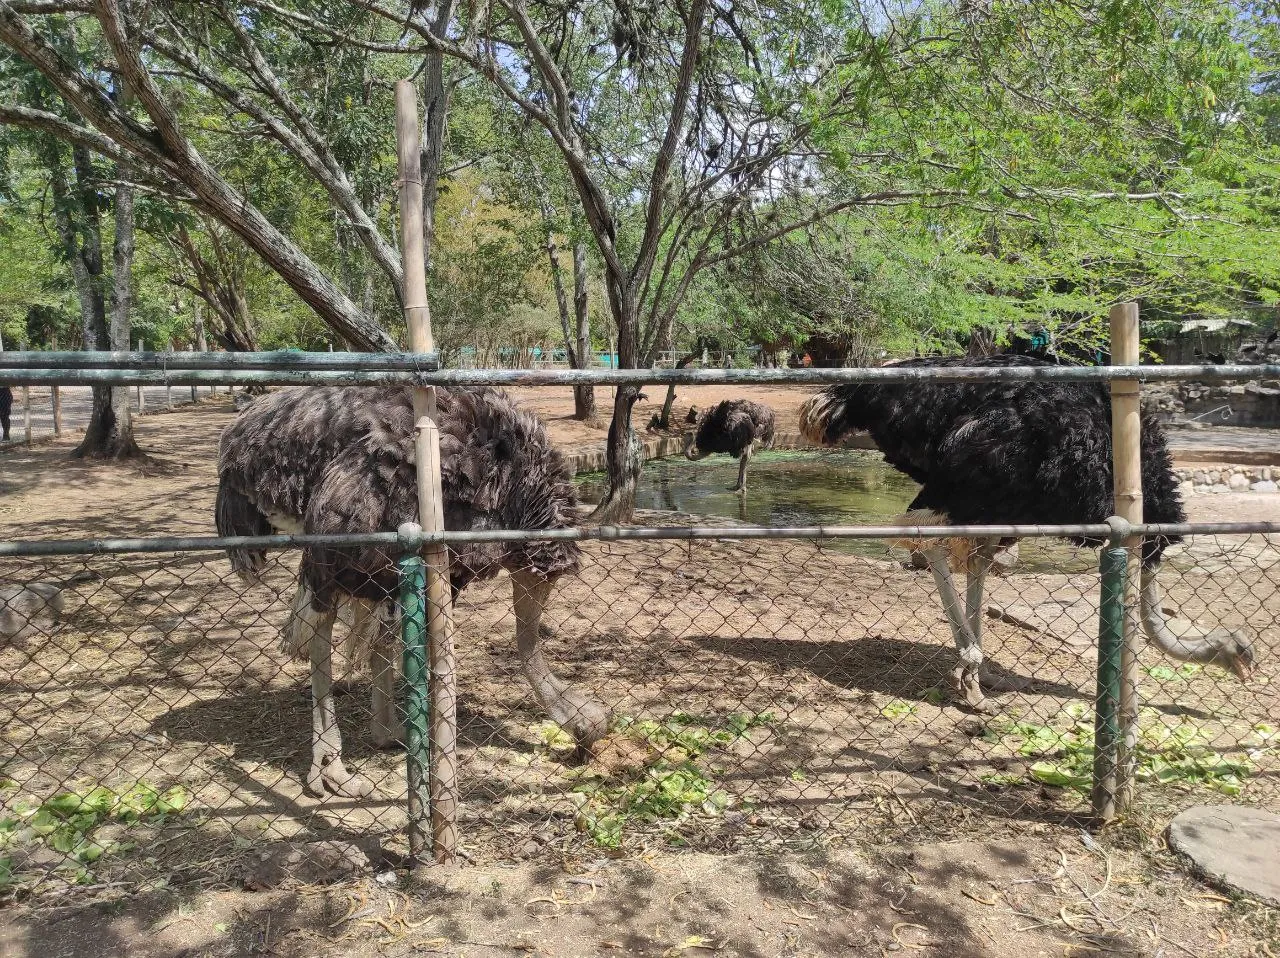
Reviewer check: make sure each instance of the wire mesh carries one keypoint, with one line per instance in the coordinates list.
(763, 693)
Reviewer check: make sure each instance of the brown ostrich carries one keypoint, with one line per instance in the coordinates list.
(738, 427)
(340, 460)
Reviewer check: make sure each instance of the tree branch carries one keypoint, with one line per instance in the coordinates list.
(653, 220)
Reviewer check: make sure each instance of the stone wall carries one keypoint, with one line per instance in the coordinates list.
(1255, 404)
(1228, 478)
(1251, 404)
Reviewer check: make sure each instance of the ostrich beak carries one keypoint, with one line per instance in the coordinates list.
(1242, 662)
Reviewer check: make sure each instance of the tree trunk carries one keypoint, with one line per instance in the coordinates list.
(584, 397)
(110, 429)
(109, 434)
(664, 421)
(624, 453)
(435, 96)
(624, 457)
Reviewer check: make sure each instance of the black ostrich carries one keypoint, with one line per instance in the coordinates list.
(340, 459)
(1012, 452)
(738, 427)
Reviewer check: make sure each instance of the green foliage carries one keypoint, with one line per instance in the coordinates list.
(67, 822)
(673, 789)
(1180, 754)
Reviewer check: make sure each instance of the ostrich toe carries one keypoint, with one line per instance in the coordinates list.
(332, 779)
(969, 688)
(582, 716)
(1003, 681)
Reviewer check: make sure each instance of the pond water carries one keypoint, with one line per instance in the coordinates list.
(784, 488)
(804, 488)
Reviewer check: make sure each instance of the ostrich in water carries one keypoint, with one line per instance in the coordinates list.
(340, 460)
(738, 427)
(1012, 452)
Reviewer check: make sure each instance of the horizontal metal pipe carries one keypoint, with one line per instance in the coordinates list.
(282, 359)
(295, 375)
(212, 543)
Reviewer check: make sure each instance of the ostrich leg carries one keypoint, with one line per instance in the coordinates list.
(741, 487)
(583, 717)
(313, 629)
(966, 676)
(980, 562)
(328, 776)
(387, 730)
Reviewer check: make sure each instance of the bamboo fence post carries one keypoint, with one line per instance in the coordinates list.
(26, 411)
(55, 399)
(443, 677)
(1126, 452)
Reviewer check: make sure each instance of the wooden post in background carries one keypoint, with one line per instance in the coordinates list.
(142, 397)
(1126, 453)
(194, 397)
(55, 398)
(443, 671)
(26, 411)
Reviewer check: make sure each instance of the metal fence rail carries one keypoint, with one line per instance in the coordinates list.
(284, 368)
(767, 687)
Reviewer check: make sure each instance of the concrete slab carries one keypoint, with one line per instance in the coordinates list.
(1232, 846)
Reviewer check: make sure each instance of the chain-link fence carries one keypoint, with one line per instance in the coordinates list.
(788, 690)
(56, 410)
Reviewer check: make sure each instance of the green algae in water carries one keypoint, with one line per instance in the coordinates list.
(794, 487)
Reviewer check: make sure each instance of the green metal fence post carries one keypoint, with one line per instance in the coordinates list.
(1106, 736)
(413, 633)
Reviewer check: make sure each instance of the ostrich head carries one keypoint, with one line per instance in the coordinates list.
(691, 450)
(1229, 648)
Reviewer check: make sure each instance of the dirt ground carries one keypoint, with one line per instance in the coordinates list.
(790, 777)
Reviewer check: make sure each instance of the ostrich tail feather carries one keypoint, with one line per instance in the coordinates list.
(236, 515)
(819, 414)
(959, 549)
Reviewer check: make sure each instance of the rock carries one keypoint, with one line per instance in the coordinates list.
(1235, 847)
(1266, 474)
(289, 864)
(1214, 478)
(1264, 485)
(1005, 559)
(1200, 477)
(1187, 488)
(1219, 487)
(1238, 482)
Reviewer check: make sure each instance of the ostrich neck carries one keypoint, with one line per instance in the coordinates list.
(1191, 647)
(691, 451)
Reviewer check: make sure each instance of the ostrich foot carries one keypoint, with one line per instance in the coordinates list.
(1003, 681)
(965, 681)
(331, 778)
(581, 716)
(387, 737)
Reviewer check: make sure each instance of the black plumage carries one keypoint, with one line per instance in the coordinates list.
(1014, 452)
(732, 426)
(340, 459)
(1025, 452)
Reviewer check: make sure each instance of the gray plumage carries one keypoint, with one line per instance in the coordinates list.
(340, 459)
(329, 460)
(738, 427)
